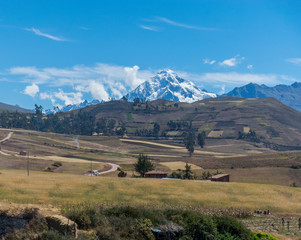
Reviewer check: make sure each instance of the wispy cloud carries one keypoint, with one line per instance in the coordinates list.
(46, 35)
(208, 61)
(85, 28)
(296, 61)
(250, 67)
(232, 62)
(231, 79)
(183, 25)
(150, 28)
(67, 98)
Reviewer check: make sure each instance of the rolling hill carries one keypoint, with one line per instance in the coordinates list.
(221, 118)
(7, 107)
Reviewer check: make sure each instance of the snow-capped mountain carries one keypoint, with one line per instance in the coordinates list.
(169, 86)
(71, 107)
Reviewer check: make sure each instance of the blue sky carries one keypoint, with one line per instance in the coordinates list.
(62, 52)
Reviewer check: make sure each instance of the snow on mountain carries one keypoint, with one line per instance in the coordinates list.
(169, 86)
(71, 107)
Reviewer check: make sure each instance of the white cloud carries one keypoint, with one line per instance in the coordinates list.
(182, 25)
(250, 67)
(131, 76)
(296, 61)
(98, 91)
(101, 81)
(150, 28)
(232, 62)
(237, 79)
(208, 61)
(31, 90)
(30, 73)
(39, 33)
(67, 98)
(223, 90)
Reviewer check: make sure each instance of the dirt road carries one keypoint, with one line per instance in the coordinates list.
(3, 141)
(113, 169)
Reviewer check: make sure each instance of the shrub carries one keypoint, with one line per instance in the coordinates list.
(57, 164)
(54, 235)
(230, 226)
(122, 174)
(259, 236)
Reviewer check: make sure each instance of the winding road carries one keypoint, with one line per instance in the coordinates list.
(3, 141)
(113, 169)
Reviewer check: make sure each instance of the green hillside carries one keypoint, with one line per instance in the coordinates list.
(274, 123)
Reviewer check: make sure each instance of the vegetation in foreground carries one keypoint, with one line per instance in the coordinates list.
(126, 222)
(97, 221)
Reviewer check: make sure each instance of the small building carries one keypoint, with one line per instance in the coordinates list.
(23, 153)
(221, 178)
(155, 174)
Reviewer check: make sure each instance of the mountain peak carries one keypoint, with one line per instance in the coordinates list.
(168, 85)
(167, 72)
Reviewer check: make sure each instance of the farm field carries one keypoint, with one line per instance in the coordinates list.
(256, 175)
(45, 149)
(59, 189)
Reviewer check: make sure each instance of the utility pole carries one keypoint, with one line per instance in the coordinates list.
(91, 168)
(28, 163)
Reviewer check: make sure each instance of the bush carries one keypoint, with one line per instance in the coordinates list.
(228, 225)
(259, 236)
(126, 222)
(122, 174)
(54, 235)
(57, 164)
(86, 216)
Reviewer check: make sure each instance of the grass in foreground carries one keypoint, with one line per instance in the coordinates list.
(59, 189)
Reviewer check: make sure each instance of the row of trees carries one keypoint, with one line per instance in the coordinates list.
(149, 132)
(82, 123)
(190, 139)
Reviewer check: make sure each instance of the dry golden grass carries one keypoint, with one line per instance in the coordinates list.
(179, 165)
(58, 189)
(215, 134)
(64, 159)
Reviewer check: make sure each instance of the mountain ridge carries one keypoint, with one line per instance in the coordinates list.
(287, 94)
(8, 107)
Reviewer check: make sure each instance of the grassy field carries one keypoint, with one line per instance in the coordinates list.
(245, 163)
(59, 189)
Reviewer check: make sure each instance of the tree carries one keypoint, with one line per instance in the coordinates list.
(201, 139)
(187, 173)
(143, 164)
(156, 129)
(189, 141)
(38, 110)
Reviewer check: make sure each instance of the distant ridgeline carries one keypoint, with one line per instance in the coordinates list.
(265, 121)
(287, 94)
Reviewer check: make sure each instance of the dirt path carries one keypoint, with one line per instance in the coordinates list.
(7, 137)
(3, 141)
(113, 169)
(176, 148)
